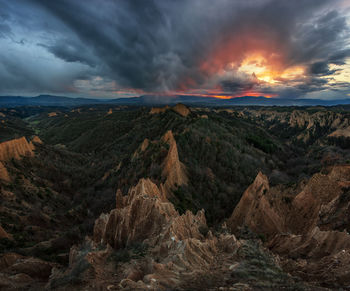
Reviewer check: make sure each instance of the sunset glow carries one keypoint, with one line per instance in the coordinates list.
(271, 48)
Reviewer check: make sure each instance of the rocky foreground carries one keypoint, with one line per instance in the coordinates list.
(278, 238)
(308, 230)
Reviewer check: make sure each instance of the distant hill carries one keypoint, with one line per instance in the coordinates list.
(150, 100)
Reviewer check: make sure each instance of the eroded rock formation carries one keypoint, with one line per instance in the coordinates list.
(18, 272)
(15, 149)
(141, 215)
(255, 210)
(4, 175)
(308, 123)
(179, 252)
(4, 234)
(145, 244)
(157, 110)
(312, 226)
(179, 108)
(173, 169)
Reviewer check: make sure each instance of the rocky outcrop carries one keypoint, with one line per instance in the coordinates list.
(177, 247)
(36, 139)
(179, 108)
(145, 244)
(141, 148)
(157, 110)
(308, 126)
(312, 226)
(18, 272)
(4, 234)
(319, 256)
(144, 145)
(15, 149)
(256, 211)
(173, 169)
(141, 214)
(4, 175)
(320, 191)
(267, 211)
(344, 132)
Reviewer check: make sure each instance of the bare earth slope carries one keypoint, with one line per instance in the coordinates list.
(309, 231)
(177, 252)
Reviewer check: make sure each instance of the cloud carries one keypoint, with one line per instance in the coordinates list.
(171, 45)
(321, 69)
(5, 30)
(71, 51)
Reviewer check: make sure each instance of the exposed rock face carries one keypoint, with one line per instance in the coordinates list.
(308, 123)
(15, 149)
(173, 169)
(36, 139)
(20, 273)
(4, 234)
(144, 144)
(319, 193)
(301, 119)
(345, 132)
(312, 226)
(157, 110)
(178, 108)
(141, 148)
(179, 252)
(4, 175)
(52, 114)
(177, 248)
(181, 109)
(143, 215)
(255, 210)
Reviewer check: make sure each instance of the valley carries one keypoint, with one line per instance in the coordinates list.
(126, 197)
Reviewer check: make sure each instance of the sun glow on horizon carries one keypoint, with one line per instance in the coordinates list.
(230, 96)
(259, 67)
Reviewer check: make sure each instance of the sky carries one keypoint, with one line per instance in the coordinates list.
(221, 48)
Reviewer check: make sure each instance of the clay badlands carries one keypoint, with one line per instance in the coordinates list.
(174, 198)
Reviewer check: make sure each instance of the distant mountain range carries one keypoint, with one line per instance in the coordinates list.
(151, 100)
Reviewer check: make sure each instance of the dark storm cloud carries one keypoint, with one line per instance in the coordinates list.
(320, 39)
(5, 30)
(339, 57)
(239, 84)
(71, 51)
(160, 45)
(321, 69)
